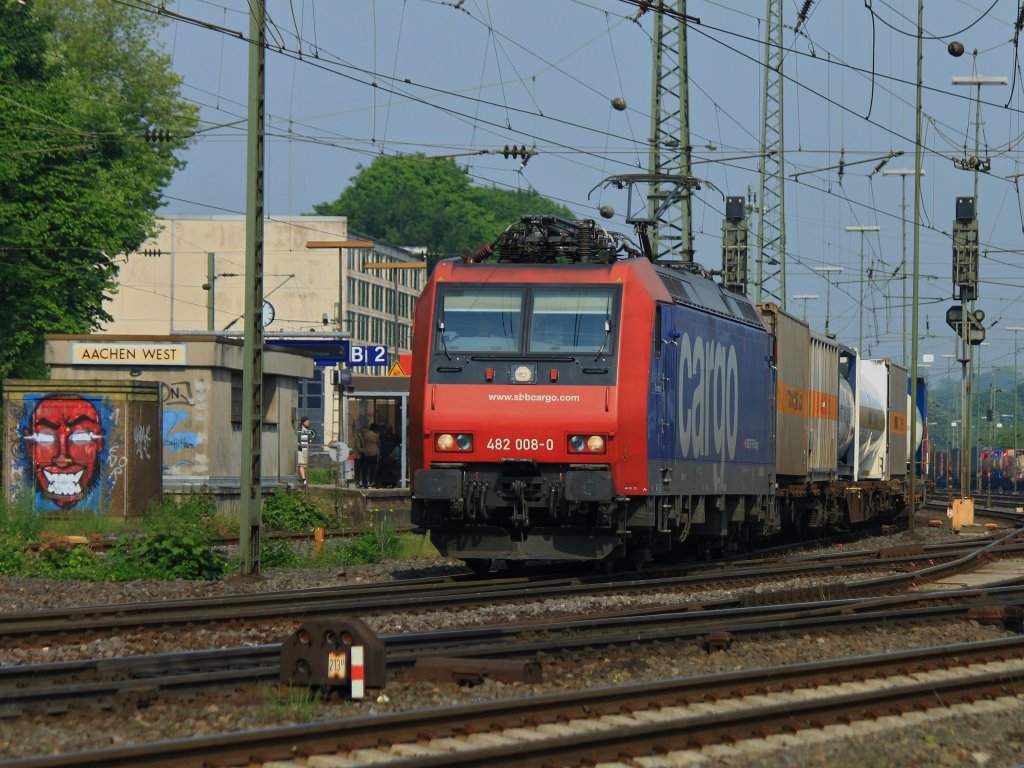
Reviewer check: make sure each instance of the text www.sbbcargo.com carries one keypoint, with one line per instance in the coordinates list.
(526, 397)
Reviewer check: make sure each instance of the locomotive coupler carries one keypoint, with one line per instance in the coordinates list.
(520, 509)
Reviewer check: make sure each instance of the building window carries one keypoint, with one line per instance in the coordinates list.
(236, 396)
(311, 394)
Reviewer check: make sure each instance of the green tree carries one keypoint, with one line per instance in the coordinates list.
(415, 201)
(79, 182)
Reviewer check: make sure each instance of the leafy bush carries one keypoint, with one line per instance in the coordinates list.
(60, 562)
(12, 557)
(179, 543)
(185, 555)
(283, 511)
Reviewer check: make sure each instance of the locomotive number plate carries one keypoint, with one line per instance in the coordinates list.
(337, 666)
(520, 444)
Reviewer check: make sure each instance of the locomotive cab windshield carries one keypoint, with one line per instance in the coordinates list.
(559, 320)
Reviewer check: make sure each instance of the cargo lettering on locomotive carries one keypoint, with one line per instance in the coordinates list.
(709, 415)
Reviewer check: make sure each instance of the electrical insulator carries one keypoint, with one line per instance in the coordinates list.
(515, 152)
(158, 135)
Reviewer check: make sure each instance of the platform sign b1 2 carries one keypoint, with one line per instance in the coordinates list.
(369, 354)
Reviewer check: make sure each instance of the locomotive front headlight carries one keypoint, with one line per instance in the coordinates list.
(448, 442)
(586, 443)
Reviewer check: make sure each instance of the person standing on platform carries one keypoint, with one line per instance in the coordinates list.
(371, 455)
(305, 435)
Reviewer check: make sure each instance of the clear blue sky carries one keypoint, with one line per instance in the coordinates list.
(458, 77)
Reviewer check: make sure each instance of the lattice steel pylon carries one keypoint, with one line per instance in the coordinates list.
(672, 236)
(771, 223)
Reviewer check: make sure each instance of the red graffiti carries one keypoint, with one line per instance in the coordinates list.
(66, 439)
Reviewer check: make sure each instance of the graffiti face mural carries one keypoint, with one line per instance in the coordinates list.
(65, 440)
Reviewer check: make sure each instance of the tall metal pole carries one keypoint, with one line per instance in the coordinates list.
(862, 230)
(976, 434)
(903, 269)
(250, 496)
(903, 173)
(912, 489)
(968, 353)
(1015, 329)
(991, 425)
(771, 201)
(672, 237)
(826, 272)
(211, 301)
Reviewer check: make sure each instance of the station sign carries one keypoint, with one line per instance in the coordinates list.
(369, 354)
(356, 355)
(135, 354)
(329, 351)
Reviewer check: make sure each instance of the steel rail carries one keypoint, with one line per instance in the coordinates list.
(289, 742)
(55, 686)
(428, 593)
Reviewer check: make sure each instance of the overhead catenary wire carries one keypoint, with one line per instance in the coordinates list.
(597, 153)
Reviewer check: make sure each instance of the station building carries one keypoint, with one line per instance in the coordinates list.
(321, 283)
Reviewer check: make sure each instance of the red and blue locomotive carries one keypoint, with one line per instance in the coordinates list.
(574, 400)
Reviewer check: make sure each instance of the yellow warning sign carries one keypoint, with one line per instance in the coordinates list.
(402, 366)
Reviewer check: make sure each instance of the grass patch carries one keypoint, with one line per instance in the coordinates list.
(177, 539)
(322, 475)
(415, 546)
(286, 704)
(87, 525)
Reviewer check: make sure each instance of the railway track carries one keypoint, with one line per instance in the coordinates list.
(914, 563)
(613, 724)
(55, 687)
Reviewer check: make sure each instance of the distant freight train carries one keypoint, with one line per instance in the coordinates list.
(1002, 469)
(573, 400)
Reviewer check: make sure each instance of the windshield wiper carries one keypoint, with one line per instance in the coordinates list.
(444, 344)
(607, 335)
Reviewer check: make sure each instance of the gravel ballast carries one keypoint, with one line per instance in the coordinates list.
(995, 738)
